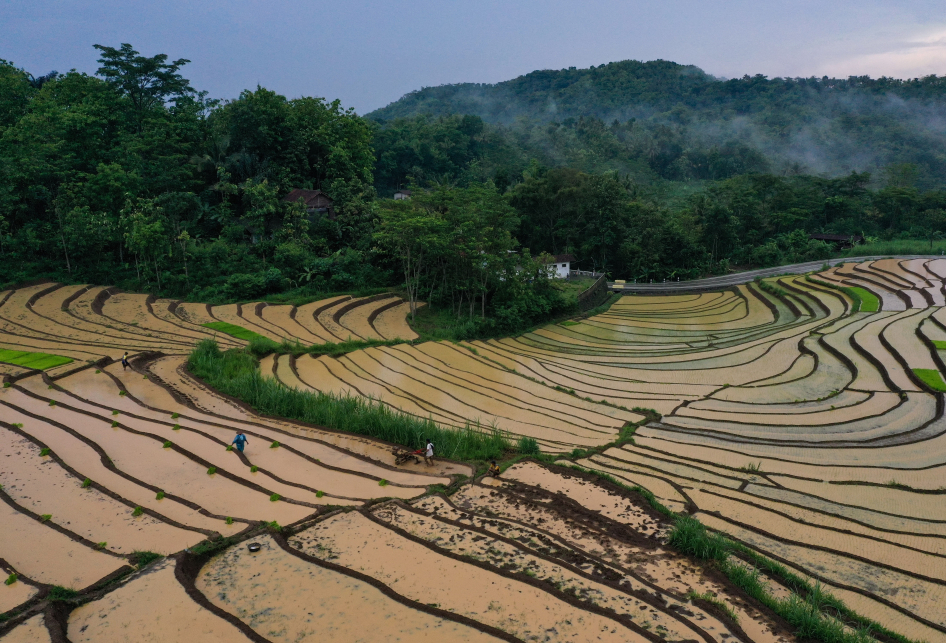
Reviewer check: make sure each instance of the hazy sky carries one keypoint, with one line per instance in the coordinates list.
(369, 53)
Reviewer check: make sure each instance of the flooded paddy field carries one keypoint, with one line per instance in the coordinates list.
(778, 413)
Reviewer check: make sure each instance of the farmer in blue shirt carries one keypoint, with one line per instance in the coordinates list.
(240, 441)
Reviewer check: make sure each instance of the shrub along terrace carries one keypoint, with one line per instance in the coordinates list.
(237, 373)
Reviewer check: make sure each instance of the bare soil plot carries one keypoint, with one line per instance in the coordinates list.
(195, 313)
(543, 523)
(32, 630)
(306, 316)
(511, 556)
(392, 322)
(151, 607)
(356, 319)
(15, 593)
(287, 598)
(83, 457)
(326, 319)
(132, 310)
(50, 556)
(174, 472)
(514, 606)
(281, 316)
(40, 485)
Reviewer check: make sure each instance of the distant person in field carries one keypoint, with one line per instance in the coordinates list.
(429, 453)
(125, 361)
(493, 470)
(240, 441)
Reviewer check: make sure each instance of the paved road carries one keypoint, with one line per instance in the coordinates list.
(723, 281)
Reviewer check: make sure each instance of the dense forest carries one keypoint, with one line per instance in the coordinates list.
(133, 177)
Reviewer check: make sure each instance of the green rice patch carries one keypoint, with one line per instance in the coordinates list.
(235, 331)
(931, 378)
(869, 301)
(939, 344)
(39, 361)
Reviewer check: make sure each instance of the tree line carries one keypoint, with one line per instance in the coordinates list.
(133, 177)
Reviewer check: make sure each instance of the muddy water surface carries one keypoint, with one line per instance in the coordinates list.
(286, 598)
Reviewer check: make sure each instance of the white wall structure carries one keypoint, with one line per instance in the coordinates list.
(560, 266)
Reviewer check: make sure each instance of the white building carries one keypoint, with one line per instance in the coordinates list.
(402, 195)
(560, 266)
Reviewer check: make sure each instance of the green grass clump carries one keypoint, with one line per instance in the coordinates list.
(122, 393)
(236, 373)
(46, 517)
(159, 495)
(44, 451)
(382, 482)
(273, 526)
(167, 444)
(86, 483)
(143, 558)
(263, 346)
(229, 520)
(175, 415)
(115, 412)
(711, 599)
(274, 497)
(939, 344)
(137, 512)
(931, 378)
(235, 331)
(570, 323)
(114, 424)
(101, 545)
(274, 445)
(52, 402)
(527, 446)
(176, 427)
(319, 494)
(691, 537)
(229, 447)
(26, 359)
(58, 593)
(254, 469)
(10, 579)
(212, 470)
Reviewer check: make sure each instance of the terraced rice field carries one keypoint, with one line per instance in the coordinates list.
(803, 430)
(76, 325)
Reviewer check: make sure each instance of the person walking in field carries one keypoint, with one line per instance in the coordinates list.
(125, 361)
(240, 442)
(429, 453)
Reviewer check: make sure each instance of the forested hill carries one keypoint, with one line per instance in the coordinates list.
(803, 125)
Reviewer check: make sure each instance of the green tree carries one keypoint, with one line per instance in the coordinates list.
(147, 82)
(413, 235)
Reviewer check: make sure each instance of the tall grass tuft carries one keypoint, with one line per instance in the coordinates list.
(262, 346)
(236, 372)
(690, 536)
(527, 446)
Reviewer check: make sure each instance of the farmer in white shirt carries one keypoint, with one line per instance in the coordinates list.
(429, 453)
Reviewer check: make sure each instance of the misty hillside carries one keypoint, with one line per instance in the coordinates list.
(674, 112)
